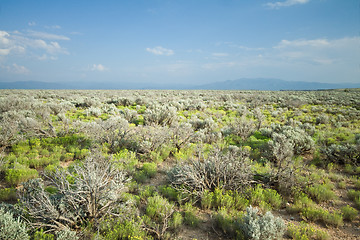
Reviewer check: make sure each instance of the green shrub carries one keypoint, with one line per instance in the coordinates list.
(158, 208)
(7, 194)
(23, 160)
(305, 232)
(190, 217)
(273, 198)
(40, 235)
(67, 157)
(334, 219)
(222, 199)
(321, 192)
(349, 213)
(265, 198)
(342, 184)
(357, 183)
(150, 169)
(159, 213)
(146, 191)
(126, 160)
(45, 152)
(349, 168)
(177, 220)
(225, 222)
(140, 176)
(11, 228)
(312, 214)
(127, 229)
(241, 203)
(318, 214)
(257, 195)
(16, 176)
(354, 196)
(207, 199)
(301, 201)
(169, 192)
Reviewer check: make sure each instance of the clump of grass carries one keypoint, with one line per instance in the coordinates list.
(354, 196)
(357, 183)
(318, 214)
(305, 231)
(148, 170)
(19, 174)
(301, 201)
(342, 184)
(206, 199)
(190, 217)
(146, 191)
(349, 169)
(349, 213)
(321, 192)
(7, 194)
(266, 199)
(169, 192)
(177, 220)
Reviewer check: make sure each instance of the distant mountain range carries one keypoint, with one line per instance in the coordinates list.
(274, 85)
(240, 84)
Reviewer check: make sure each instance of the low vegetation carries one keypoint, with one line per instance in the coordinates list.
(179, 164)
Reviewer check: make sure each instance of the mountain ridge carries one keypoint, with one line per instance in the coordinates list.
(272, 84)
(269, 84)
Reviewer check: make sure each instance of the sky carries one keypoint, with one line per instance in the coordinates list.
(179, 41)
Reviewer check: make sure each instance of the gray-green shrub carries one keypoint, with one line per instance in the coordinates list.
(230, 170)
(90, 191)
(11, 228)
(266, 227)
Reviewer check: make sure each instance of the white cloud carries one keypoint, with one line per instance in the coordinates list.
(160, 51)
(98, 67)
(4, 38)
(32, 23)
(5, 44)
(34, 44)
(318, 59)
(49, 36)
(303, 43)
(286, 3)
(17, 69)
(4, 51)
(320, 51)
(50, 47)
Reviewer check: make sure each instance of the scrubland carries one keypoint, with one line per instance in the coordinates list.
(148, 164)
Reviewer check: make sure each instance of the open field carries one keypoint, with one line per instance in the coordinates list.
(162, 164)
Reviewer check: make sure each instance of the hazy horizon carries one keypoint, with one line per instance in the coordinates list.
(185, 42)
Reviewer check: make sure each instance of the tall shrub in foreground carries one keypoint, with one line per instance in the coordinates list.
(86, 193)
(229, 170)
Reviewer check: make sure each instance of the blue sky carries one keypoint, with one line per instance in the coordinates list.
(197, 41)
